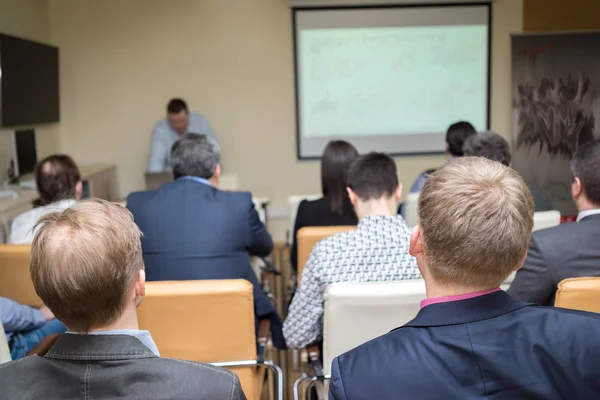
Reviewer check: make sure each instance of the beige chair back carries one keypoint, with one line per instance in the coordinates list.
(4, 350)
(207, 321)
(15, 280)
(293, 203)
(579, 294)
(311, 235)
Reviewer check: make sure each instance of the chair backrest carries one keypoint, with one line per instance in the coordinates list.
(311, 235)
(15, 280)
(579, 294)
(207, 321)
(545, 219)
(358, 312)
(4, 350)
(411, 207)
(293, 203)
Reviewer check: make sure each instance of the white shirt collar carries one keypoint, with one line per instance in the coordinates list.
(587, 213)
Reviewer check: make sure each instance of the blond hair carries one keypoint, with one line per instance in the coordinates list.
(84, 262)
(476, 217)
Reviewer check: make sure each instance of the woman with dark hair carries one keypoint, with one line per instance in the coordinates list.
(334, 207)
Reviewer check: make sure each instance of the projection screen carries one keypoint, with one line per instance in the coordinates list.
(389, 79)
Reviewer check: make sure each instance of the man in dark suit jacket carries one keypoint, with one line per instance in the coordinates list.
(87, 267)
(470, 340)
(192, 230)
(568, 250)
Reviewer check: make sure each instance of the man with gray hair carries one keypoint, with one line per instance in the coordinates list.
(192, 230)
(494, 147)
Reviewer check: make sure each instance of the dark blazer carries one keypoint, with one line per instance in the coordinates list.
(194, 231)
(112, 367)
(565, 251)
(318, 213)
(487, 347)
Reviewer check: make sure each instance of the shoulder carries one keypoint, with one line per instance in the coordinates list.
(222, 382)
(335, 242)
(240, 197)
(161, 126)
(136, 197)
(555, 235)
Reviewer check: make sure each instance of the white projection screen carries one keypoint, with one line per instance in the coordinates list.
(390, 79)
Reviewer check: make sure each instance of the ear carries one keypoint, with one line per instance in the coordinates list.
(140, 287)
(416, 243)
(353, 197)
(576, 188)
(520, 265)
(398, 192)
(78, 190)
(217, 173)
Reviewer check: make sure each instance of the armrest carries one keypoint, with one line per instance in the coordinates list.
(314, 357)
(264, 328)
(44, 345)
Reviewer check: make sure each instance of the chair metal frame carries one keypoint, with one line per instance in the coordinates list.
(276, 371)
(313, 381)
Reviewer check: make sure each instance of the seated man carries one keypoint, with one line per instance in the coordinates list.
(568, 250)
(168, 130)
(471, 340)
(86, 265)
(26, 326)
(192, 230)
(376, 251)
(59, 185)
(494, 147)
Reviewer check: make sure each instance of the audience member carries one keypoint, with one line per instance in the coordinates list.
(86, 265)
(568, 250)
(494, 147)
(334, 207)
(456, 135)
(26, 326)
(192, 230)
(167, 131)
(59, 185)
(470, 339)
(376, 251)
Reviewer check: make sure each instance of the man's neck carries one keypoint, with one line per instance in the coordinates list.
(127, 320)
(434, 290)
(383, 206)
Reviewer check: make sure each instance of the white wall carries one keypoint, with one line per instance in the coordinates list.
(27, 19)
(230, 59)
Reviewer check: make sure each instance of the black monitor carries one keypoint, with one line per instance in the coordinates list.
(25, 152)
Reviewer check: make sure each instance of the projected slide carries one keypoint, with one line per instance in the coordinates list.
(391, 80)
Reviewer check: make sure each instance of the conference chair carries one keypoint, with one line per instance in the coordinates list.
(579, 294)
(358, 312)
(4, 350)
(15, 280)
(545, 219)
(411, 207)
(293, 204)
(211, 321)
(311, 235)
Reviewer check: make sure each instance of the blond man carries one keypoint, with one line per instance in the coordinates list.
(471, 340)
(86, 265)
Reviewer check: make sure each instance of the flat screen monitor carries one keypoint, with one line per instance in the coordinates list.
(25, 152)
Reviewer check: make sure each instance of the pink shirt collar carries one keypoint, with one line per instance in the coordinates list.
(446, 299)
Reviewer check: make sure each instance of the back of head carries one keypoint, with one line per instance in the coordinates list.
(456, 135)
(335, 162)
(84, 262)
(585, 165)
(176, 105)
(373, 176)
(195, 155)
(489, 145)
(476, 217)
(56, 177)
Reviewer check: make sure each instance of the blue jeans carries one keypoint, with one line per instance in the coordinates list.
(23, 342)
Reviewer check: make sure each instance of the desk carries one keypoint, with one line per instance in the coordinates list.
(98, 181)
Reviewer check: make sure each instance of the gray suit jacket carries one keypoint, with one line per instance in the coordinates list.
(113, 367)
(565, 251)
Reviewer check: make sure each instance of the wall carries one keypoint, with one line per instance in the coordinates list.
(231, 60)
(27, 19)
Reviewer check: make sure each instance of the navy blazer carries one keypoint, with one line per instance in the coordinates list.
(487, 347)
(194, 231)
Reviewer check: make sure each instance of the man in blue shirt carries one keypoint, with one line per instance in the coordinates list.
(26, 326)
(166, 132)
